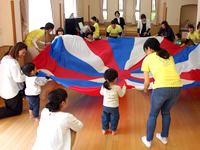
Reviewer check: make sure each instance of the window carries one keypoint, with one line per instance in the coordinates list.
(137, 10)
(39, 13)
(69, 8)
(121, 8)
(105, 10)
(153, 10)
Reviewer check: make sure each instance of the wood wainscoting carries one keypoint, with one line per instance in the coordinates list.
(4, 49)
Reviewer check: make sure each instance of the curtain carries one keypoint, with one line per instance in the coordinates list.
(134, 8)
(57, 17)
(54, 4)
(75, 8)
(198, 11)
(157, 4)
(124, 9)
(25, 18)
(101, 19)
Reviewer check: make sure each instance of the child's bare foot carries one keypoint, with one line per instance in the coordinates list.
(30, 114)
(37, 119)
(104, 132)
(114, 133)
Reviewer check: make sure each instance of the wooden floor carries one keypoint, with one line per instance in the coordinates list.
(19, 133)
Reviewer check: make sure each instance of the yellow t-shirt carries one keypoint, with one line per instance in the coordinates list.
(35, 33)
(114, 32)
(194, 37)
(96, 32)
(163, 70)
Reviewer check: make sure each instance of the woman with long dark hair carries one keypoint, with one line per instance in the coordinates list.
(10, 78)
(166, 31)
(166, 88)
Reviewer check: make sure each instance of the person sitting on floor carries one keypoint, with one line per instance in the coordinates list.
(86, 29)
(56, 127)
(177, 40)
(166, 31)
(192, 35)
(114, 30)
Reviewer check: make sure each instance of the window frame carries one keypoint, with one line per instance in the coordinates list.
(32, 24)
(138, 11)
(153, 11)
(105, 10)
(121, 11)
(65, 4)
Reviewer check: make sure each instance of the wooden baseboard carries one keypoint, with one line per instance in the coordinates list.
(3, 50)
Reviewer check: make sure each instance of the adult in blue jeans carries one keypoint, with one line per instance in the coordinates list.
(166, 88)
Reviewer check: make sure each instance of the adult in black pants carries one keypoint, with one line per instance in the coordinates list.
(143, 27)
(120, 21)
(11, 78)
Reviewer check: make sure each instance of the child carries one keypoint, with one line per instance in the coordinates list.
(33, 89)
(111, 92)
(89, 37)
(96, 25)
(57, 128)
(59, 32)
(86, 29)
(177, 40)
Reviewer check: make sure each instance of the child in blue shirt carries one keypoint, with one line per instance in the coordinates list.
(177, 40)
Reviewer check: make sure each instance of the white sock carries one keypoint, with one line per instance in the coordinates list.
(146, 143)
(162, 139)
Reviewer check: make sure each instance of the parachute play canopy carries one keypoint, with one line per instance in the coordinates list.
(80, 65)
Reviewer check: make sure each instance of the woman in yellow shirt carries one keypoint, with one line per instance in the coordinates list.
(96, 26)
(166, 88)
(192, 35)
(114, 30)
(35, 36)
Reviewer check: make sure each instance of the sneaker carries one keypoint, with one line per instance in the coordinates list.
(146, 143)
(162, 139)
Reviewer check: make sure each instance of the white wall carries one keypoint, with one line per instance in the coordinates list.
(56, 18)
(173, 14)
(186, 12)
(174, 8)
(6, 30)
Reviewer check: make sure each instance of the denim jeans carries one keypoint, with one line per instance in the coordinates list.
(110, 115)
(161, 99)
(34, 104)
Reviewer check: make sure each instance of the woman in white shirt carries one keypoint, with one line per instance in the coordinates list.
(10, 78)
(54, 130)
(143, 27)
